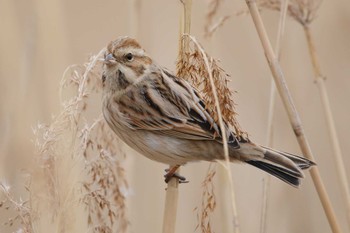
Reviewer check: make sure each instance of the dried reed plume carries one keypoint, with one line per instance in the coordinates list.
(303, 11)
(78, 183)
(106, 185)
(212, 82)
(191, 66)
(24, 214)
(208, 201)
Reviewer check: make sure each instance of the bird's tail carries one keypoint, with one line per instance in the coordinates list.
(282, 165)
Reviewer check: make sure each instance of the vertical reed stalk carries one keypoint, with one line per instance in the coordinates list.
(228, 214)
(225, 197)
(269, 142)
(170, 209)
(172, 191)
(320, 81)
(226, 163)
(292, 112)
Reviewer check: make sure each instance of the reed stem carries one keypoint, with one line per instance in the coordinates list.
(269, 142)
(226, 162)
(338, 158)
(170, 209)
(172, 191)
(292, 113)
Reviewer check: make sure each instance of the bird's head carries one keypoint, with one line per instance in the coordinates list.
(124, 62)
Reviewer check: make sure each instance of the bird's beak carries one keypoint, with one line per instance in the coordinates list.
(109, 59)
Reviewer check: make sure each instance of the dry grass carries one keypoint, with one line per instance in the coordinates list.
(208, 201)
(106, 187)
(271, 117)
(303, 11)
(23, 216)
(289, 104)
(212, 82)
(203, 72)
(212, 24)
(191, 66)
(66, 172)
(77, 179)
(213, 19)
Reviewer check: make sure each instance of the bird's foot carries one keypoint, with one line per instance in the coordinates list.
(171, 172)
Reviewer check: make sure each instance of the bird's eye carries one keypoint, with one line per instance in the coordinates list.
(129, 56)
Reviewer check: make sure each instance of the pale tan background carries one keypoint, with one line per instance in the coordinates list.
(40, 38)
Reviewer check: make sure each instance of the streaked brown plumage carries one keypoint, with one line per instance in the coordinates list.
(164, 118)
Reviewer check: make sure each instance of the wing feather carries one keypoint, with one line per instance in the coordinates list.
(164, 103)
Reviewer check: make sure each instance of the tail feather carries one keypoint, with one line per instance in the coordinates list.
(282, 165)
(301, 162)
(278, 172)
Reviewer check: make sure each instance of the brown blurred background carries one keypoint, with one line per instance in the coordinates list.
(39, 39)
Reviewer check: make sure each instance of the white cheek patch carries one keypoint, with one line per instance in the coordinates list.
(129, 73)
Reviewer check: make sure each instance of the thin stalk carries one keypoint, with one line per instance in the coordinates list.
(226, 163)
(187, 23)
(292, 113)
(269, 142)
(170, 209)
(172, 191)
(320, 81)
(224, 197)
(224, 191)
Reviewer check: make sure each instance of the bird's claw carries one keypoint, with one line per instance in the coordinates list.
(170, 173)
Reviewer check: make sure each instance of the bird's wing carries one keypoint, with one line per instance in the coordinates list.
(164, 103)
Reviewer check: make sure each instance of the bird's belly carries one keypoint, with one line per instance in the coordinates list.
(163, 148)
(167, 149)
(157, 147)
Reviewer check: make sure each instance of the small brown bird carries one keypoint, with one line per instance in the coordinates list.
(164, 118)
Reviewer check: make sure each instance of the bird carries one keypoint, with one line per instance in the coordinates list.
(164, 117)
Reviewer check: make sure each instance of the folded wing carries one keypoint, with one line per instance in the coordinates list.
(164, 103)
